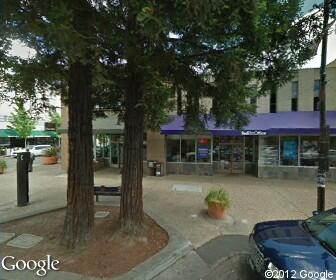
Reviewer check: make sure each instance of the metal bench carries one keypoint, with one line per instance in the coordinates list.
(106, 190)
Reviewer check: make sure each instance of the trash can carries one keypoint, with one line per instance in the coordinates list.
(22, 167)
(151, 164)
(159, 169)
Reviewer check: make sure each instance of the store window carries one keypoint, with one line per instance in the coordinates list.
(188, 149)
(309, 151)
(269, 150)
(144, 147)
(332, 151)
(250, 149)
(289, 150)
(216, 148)
(173, 148)
(204, 149)
(222, 146)
(316, 95)
(102, 145)
(295, 95)
(273, 100)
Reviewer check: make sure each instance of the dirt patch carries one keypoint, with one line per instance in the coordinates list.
(109, 253)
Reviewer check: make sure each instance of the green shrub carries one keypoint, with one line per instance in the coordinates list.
(3, 164)
(52, 152)
(218, 196)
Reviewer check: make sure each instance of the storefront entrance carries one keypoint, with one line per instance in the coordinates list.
(229, 155)
(231, 159)
(117, 144)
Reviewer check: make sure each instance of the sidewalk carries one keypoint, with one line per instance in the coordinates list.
(252, 200)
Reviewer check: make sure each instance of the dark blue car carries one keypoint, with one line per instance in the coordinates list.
(298, 249)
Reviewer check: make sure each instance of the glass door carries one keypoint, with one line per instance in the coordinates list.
(237, 158)
(231, 158)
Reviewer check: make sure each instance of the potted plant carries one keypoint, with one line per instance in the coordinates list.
(3, 166)
(50, 156)
(218, 202)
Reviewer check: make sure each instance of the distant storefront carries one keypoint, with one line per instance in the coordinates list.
(9, 138)
(279, 145)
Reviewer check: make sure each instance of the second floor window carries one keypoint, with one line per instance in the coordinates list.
(295, 95)
(273, 104)
(316, 105)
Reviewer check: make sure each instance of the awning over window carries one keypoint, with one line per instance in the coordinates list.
(5, 133)
(42, 133)
(289, 123)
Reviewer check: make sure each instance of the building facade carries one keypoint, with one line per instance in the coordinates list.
(281, 140)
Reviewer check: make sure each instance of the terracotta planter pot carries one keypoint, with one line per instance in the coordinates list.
(2, 170)
(216, 211)
(49, 160)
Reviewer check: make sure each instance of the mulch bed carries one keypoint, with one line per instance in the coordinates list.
(109, 253)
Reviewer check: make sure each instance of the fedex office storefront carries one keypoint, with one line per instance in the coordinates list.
(278, 145)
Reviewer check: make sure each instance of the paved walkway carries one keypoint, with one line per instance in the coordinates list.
(252, 200)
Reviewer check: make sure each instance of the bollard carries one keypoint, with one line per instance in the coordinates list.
(22, 165)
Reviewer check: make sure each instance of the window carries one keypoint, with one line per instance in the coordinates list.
(204, 149)
(102, 145)
(309, 152)
(289, 150)
(173, 148)
(251, 148)
(332, 151)
(273, 100)
(316, 95)
(253, 100)
(323, 228)
(269, 150)
(295, 95)
(144, 147)
(188, 149)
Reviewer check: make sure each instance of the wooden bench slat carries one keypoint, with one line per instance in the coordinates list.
(106, 191)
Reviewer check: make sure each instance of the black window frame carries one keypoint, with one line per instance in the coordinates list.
(273, 102)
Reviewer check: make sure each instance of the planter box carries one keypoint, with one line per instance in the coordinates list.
(49, 160)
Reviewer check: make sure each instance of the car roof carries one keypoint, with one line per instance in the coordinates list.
(42, 146)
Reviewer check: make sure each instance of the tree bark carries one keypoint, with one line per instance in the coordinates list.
(79, 220)
(131, 204)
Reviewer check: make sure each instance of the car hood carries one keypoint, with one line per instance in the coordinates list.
(289, 246)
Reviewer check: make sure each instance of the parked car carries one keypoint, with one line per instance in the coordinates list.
(291, 249)
(38, 150)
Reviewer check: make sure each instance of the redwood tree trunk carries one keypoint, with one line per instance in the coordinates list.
(79, 220)
(131, 205)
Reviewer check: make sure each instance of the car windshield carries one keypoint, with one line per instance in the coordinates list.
(323, 228)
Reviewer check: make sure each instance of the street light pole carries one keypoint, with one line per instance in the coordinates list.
(324, 128)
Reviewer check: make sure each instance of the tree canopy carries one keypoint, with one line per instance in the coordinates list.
(22, 121)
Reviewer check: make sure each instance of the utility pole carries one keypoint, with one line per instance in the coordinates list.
(324, 128)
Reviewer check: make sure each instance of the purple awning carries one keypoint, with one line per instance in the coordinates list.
(303, 123)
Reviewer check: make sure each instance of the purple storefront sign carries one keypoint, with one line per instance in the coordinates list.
(285, 123)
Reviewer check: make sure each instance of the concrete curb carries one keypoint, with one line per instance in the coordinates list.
(176, 248)
(31, 213)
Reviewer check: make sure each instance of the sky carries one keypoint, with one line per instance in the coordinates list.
(6, 108)
(308, 4)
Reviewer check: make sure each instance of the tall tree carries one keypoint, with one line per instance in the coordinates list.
(64, 37)
(22, 122)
